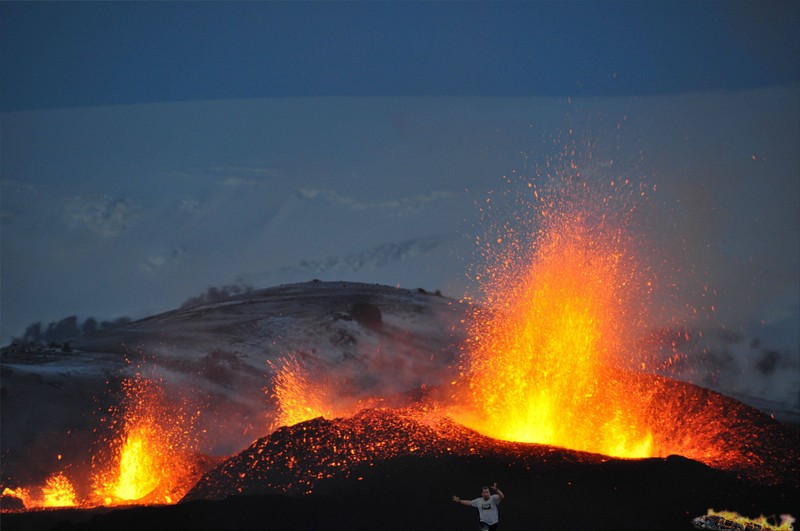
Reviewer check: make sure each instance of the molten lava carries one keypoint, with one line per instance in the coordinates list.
(558, 314)
(304, 391)
(138, 459)
(151, 457)
(57, 491)
(147, 455)
(299, 395)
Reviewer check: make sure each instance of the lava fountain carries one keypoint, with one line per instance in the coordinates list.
(299, 395)
(545, 346)
(151, 456)
(146, 453)
(57, 491)
(303, 390)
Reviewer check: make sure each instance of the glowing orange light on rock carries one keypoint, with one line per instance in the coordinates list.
(555, 319)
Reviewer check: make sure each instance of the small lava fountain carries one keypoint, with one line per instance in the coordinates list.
(57, 491)
(150, 458)
(302, 390)
(145, 455)
(299, 395)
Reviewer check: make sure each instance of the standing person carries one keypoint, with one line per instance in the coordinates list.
(487, 507)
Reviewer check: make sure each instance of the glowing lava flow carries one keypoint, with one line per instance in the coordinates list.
(539, 356)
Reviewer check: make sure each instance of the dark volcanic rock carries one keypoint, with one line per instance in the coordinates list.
(568, 494)
(367, 314)
(394, 469)
(300, 459)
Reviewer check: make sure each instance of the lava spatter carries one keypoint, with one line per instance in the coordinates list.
(560, 304)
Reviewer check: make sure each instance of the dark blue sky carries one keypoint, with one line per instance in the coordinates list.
(98, 53)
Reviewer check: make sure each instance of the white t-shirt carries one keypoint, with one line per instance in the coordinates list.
(487, 509)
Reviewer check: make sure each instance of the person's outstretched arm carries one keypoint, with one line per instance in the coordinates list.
(462, 502)
(498, 492)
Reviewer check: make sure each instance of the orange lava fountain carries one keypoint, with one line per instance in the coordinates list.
(147, 456)
(57, 491)
(299, 396)
(540, 357)
(303, 391)
(151, 458)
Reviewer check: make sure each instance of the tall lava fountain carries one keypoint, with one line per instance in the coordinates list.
(562, 299)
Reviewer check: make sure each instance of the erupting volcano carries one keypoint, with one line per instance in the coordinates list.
(540, 380)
